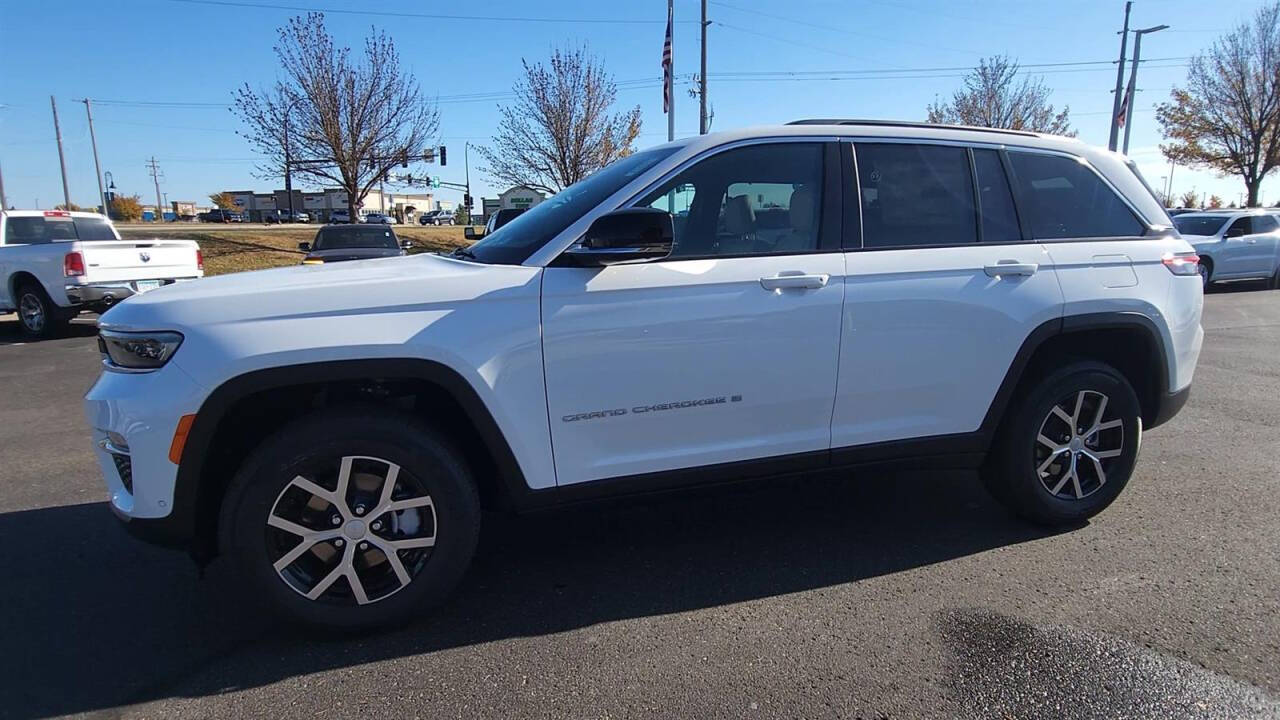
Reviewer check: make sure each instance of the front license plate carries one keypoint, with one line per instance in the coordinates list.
(145, 285)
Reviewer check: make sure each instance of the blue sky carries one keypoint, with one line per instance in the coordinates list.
(189, 52)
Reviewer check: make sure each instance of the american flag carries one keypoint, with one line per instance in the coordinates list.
(666, 66)
(1123, 116)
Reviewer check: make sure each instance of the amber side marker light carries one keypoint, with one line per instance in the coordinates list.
(180, 438)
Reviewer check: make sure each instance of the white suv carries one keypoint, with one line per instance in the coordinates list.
(744, 304)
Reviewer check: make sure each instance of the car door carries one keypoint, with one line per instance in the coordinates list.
(940, 293)
(1235, 258)
(1260, 246)
(724, 351)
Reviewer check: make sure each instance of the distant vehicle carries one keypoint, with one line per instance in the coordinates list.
(380, 218)
(496, 220)
(436, 217)
(53, 264)
(1174, 212)
(272, 217)
(220, 215)
(340, 216)
(1235, 245)
(353, 242)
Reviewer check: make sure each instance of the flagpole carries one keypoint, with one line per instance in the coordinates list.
(671, 76)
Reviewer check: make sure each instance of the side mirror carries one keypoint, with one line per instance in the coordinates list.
(304, 246)
(624, 235)
(470, 233)
(1235, 232)
(406, 244)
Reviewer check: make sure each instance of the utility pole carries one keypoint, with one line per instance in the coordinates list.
(1115, 105)
(97, 169)
(62, 160)
(4, 205)
(1168, 192)
(155, 177)
(466, 162)
(702, 77)
(1133, 79)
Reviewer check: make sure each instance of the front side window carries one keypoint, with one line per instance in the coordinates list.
(1242, 226)
(913, 195)
(753, 200)
(1066, 199)
(1206, 225)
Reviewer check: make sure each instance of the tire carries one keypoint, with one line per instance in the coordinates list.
(434, 540)
(1057, 497)
(38, 316)
(1206, 271)
(1274, 283)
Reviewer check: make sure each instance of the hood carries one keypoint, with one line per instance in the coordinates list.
(341, 254)
(414, 283)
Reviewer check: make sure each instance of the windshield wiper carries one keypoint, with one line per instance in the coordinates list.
(464, 253)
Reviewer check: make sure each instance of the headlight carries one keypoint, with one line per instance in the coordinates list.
(137, 350)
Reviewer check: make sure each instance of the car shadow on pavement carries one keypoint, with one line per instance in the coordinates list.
(94, 620)
(11, 331)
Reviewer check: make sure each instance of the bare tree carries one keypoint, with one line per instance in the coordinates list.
(560, 128)
(993, 97)
(1227, 118)
(338, 119)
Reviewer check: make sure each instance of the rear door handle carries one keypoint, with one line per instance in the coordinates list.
(1004, 268)
(785, 280)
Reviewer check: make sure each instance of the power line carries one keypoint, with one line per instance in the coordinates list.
(428, 16)
(788, 41)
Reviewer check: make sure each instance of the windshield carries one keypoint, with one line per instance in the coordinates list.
(1199, 224)
(514, 242)
(354, 236)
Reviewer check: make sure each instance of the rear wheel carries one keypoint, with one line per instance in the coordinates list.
(353, 519)
(38, 316)
(1069, 447)
(1274, 284)
(1206, 270)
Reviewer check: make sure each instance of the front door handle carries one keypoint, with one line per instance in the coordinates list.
(1011, 268)
(1251, 241)
(784, 280)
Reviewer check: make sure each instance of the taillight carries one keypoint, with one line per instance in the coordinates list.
(199, 259)
(73, 264)
(1182, 263)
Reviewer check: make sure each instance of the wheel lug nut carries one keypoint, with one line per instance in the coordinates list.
(376, 525)
(364, 546)
(337, 542)
(359, 509)
(336, 520)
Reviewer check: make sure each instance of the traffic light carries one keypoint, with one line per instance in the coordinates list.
(466, 200)
(443, 157)
(435, 181)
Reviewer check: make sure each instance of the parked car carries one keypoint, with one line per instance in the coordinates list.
(338, 217)
(338, 429)
(272, 217)
(380, 218)
(54, 264)
(335, 243)
(219, 215)
(436, 217)
(1234, 245)
(496, 220)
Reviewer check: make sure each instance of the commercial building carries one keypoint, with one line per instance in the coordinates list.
(320, 204)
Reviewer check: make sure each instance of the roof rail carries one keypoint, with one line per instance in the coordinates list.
(908, 123)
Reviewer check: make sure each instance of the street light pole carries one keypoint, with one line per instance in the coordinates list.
(288, 177)
(93, 140)
(466, 164)
(1133, 79)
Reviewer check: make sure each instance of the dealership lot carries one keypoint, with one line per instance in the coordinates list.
(903, 596)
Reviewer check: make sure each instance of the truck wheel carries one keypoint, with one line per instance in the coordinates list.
(1069, 446)
(352, 518)
(38, 316)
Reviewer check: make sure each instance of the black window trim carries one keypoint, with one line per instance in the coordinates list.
(829, 231)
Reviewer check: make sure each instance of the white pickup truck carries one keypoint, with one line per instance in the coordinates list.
(54, 263)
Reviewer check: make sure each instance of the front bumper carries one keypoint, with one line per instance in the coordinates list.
(132, 417)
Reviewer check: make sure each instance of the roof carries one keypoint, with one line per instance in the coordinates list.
(52, 213)
(908, 123)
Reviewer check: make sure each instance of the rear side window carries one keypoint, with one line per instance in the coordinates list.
(1264, 223)
(913, 195)
(999, 219)
(93, 229)
(38, 230)
(1066, 199)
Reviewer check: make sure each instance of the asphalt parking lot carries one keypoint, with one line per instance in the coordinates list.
(868, 597)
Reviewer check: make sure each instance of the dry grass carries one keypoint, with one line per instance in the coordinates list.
(252, 248)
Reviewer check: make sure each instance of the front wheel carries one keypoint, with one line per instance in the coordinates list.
(1069, 446)
(353, 519)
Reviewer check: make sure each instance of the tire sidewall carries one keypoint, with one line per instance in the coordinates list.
(47, 309)
(397, 438)
(1023, 487)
